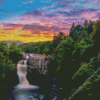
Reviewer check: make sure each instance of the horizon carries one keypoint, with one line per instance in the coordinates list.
(39, 20)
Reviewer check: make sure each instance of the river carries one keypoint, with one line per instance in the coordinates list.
(25, 91)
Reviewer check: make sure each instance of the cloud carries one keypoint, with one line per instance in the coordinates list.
(26, 35)
(62, 1)
(3, 35)
(73, 4)
(1, 2)
(76, 12)
(19, 5)
(33, 13)
(11, 26)
(51, 15)
(47, 1)
(36, 31)
(42, 28)
(95, 0)
(5, 12)
(29, 1)
(72, 1)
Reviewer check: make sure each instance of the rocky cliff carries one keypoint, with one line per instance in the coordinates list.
(39, 62)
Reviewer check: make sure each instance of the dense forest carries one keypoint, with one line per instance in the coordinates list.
(9, 56)
(77, 57)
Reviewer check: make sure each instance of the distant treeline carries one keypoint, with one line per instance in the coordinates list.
(77, 57)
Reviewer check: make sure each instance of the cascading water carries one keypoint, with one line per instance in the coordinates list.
(25, 91)
(22, 72)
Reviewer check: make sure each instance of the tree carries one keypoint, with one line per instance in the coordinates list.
(15, 53)
(90, 89)
(72, 30)
(4, 49)
(90, 27)
(96, 38)
(78, 32)
(61, 48)
(75, 32)
(41, 46)
(86, 23)
(57, 39)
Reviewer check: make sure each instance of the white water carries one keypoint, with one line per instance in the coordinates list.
(22, 72)
(22, 90)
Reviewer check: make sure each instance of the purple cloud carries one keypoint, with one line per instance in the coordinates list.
(76, 12)
(62, 1)
(5, 12)
(43, 28)
(50, 15)
(71, 1)
(29, 1)
(1, 2)
(10, 24)
(33, 13)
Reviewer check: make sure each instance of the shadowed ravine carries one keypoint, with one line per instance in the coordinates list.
(25, 91)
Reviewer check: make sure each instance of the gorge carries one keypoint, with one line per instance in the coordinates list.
(26, 91)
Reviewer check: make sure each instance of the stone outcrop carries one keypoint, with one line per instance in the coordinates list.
(20, 62)
(39, 62)
(25, 55)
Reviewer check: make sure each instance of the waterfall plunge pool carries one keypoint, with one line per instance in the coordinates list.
(25, 91)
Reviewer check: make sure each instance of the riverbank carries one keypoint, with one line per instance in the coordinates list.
(11, 80)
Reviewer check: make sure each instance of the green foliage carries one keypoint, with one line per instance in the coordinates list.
(57, 39)
(35, 49)
(15, 53)
(86, 71)
(82, 69)
(6, 67)
(96, 38)
(2, 58)
(78, 32)
(41, 47)
(4, 48)
(77, 57)
(62, 47)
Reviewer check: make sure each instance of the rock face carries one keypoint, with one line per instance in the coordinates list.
(38, 62)
(20, 62)
(37, 66)
(25, 55)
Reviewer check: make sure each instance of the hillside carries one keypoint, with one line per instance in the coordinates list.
(9, 42)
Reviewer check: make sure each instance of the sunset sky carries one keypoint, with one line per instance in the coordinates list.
(40, 20)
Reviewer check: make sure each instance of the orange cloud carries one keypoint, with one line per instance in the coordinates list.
(26, 35)
(2, 35)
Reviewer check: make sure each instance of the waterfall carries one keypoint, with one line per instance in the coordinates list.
(22, 72)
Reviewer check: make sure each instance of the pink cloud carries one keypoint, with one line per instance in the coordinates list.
(35, 32)
(11, 26)
(95, 0)
(26, 35)
(87, 15)
(73, 4)
(29, 1)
